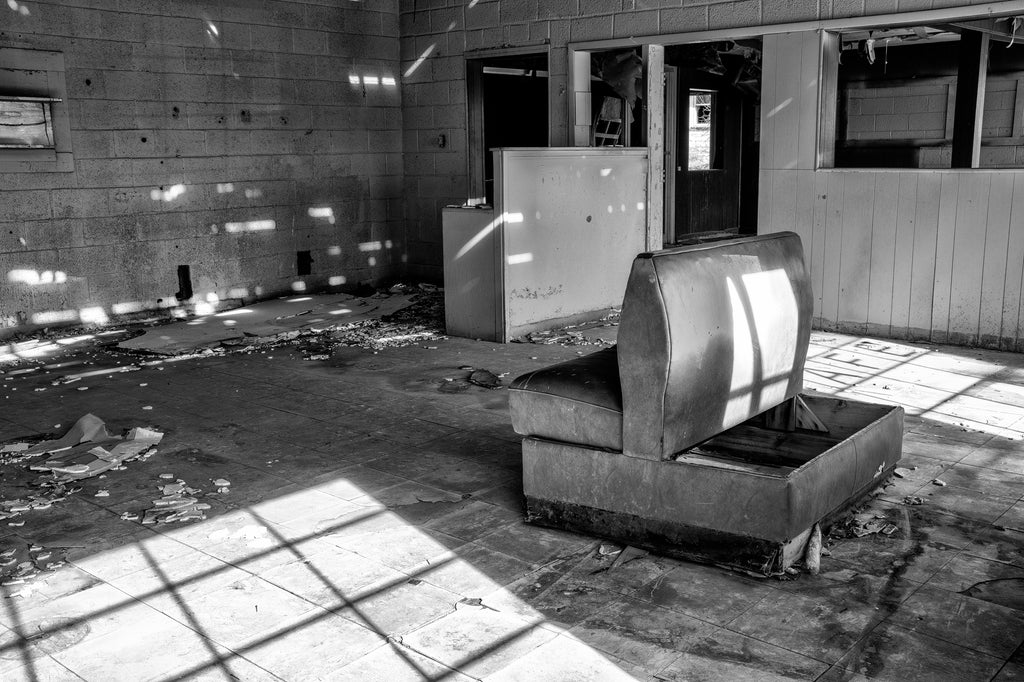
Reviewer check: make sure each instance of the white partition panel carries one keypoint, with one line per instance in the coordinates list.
(572, 221)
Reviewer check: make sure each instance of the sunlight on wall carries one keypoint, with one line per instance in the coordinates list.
(34, 277)
(19, 8)
(325, 212)
(93, 315)
(170, 194)
(251, 226)
(127, 307)
(419, 61)
(356, 79)
(54, 316)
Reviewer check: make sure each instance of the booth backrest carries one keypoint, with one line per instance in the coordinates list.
(710, 336)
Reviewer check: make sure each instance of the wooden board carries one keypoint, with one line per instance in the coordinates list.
(993, 270)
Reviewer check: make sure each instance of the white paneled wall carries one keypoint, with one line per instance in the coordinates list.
(921, 254)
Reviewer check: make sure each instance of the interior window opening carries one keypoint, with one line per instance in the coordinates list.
(616, 98)
(931, 96)
(701, 131)
(26, 123)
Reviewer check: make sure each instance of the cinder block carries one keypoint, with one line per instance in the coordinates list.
(595, 7)
(80, 203)
(429, 93)
(227, 142)
(385, 140)
(40, 235)
(103, 115)
(368, 164)
(878, 103)
(165, 115)
(92, 144)
(557, 9)
(271, 38)
(892, 123)
(514, 11)
(734, 14)
(103, 173)
(785, 11)
(629, 24)
(347, 141)
(484, 14)
(592, 28)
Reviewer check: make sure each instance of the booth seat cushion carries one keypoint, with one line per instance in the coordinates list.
(578, 401)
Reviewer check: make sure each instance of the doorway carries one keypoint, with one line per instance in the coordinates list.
(712, 95)
(508, 107)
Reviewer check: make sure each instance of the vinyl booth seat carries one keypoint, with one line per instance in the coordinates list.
(671, 439)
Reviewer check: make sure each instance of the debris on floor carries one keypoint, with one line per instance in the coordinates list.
(485, 378)
(179, 503)
(576, 334)
(861, 524)
(812, 555)
(95, 455)
(85, 451)
(422, 321)
(628, 554)
(265, 324)
(22, 561)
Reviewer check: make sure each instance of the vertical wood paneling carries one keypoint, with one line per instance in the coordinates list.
(803, 221)
(765, 201)
(833, 247)
(922, 271)
(993, 274)
(784, 206)
(944, 255)
(883, 251)
(817, 248)
(769, 76)
(903, 253)
(807, 99)
(968, 253)
(1014, 298)
(784, 109)
(855, 258)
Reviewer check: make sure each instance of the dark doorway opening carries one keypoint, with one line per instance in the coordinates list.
(713, 93)
(508, 107)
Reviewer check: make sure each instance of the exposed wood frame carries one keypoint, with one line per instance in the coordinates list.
(828, 76)
(970, 99)
(654, 119)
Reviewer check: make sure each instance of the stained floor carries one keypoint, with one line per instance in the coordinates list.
(373, 531)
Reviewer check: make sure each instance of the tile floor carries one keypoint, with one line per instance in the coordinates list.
(373, 531)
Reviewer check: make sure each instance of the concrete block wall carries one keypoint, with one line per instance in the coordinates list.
(921, 112)
(908, 112)
(438, 34)
(225, 135)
